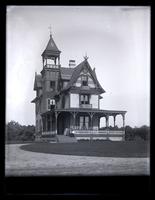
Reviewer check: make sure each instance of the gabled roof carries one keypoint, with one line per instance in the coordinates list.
(51, 48)
(38, 81)
(96, 79)
(76, 74)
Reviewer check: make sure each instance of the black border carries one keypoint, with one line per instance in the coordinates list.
(69, 187)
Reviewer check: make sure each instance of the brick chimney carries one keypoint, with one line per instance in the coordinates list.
(72, 63)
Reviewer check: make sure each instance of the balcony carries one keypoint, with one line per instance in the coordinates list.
(51, 66)
(88, 106)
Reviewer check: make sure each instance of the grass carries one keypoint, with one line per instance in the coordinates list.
(19, 142)
(94, 148)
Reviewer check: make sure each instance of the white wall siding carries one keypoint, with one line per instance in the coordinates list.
(74, 100)
(94, 101)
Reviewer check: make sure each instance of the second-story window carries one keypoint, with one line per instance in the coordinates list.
(84, 80)
(84, 99)
(52, 85)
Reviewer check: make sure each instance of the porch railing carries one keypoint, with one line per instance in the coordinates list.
(105, 132)
(51, 66)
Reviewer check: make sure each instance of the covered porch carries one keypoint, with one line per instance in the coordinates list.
(83, 123)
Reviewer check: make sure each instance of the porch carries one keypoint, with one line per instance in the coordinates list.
(82, 124)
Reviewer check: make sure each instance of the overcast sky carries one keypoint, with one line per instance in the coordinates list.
(116, 40)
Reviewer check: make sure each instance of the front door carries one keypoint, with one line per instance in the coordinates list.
(63, 122)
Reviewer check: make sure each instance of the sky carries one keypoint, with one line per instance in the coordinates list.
(116, 39)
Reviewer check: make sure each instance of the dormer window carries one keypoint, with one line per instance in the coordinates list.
(84, 80)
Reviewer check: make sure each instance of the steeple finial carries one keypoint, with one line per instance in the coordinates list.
(86, 57)
(50, 28)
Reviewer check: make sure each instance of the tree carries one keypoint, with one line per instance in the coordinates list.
(129, 134)
(17, 132)
(136, 133)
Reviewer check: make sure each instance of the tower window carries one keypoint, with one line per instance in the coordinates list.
(84, 80)
(52, 85)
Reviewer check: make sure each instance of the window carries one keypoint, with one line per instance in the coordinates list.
(81, 122)
(84, 80)
(52, 85)
(65, 83)
(84, 99)
(84, 122)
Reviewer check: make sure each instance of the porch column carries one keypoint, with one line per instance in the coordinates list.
(42, 125)
(46, 122)
(91, 120)
(107, 121)
(114, 120)
(50, 122)
(56, 116)
(123, 117)
(74, 118)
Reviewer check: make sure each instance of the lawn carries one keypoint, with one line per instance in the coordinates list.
(95, 148)
(22, 160)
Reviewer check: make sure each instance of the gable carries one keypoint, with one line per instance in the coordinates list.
(84, 67)
(90, 79)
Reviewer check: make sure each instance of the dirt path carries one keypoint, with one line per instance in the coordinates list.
(22, 163)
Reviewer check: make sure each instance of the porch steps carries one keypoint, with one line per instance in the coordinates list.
(66, 139)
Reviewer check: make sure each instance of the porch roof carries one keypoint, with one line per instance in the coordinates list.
(93, 111)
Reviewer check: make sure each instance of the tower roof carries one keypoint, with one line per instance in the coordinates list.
(51, 49)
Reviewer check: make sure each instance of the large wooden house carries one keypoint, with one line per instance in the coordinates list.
(67, 100)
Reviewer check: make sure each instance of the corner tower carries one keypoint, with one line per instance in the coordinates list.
(51, 71)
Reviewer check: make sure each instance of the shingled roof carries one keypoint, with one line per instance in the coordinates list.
(51, 48)
(38, 81)
(66, 73)
(76, 74)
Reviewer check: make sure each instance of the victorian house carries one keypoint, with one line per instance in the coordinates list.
(67, 101)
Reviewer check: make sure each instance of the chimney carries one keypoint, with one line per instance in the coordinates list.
(72, 63)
